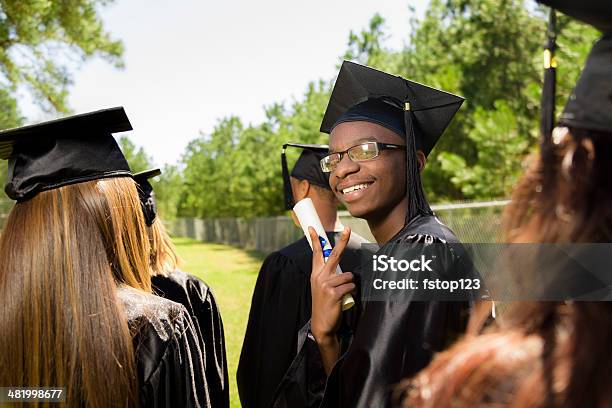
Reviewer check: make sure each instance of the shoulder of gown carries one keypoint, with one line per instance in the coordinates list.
(280, 305)
(200, 302)
(167, 348)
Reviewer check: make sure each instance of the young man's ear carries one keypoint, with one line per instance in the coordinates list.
(421, 159)
(300, 188)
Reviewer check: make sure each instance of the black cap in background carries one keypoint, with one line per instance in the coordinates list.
(145, 193)
(593, 12)
(307, 167)
(590, 104)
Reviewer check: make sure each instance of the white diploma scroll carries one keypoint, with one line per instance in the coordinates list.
(308, 217)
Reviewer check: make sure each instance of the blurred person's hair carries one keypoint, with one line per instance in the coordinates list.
(325, 194)
(542, 354)
(164, 257)
(64, 252)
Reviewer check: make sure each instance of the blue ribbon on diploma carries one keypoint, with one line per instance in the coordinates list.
(326, 252)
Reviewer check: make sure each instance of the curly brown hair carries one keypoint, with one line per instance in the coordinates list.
(541, 354)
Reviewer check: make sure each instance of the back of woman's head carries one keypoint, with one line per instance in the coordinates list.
(63, 253)
(568, 198)
(542, 354)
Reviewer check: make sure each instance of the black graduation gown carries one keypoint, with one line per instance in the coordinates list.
(387, 340)
(280, 307)
(200, 302)
(169, 361)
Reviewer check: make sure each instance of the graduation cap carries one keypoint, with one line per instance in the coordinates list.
(307, 167)
(417, 112)
(65, 151)
(145, 193)
(597, 13)
(590, 104)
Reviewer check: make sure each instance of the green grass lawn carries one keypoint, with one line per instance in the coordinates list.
(231, 273)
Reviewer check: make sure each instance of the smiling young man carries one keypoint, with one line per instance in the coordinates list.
(382, 128)
(281, 302)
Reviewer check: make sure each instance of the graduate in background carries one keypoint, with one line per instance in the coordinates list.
(171, 283)
(547, 354)
(382, 127)
(281, 302)
(77, 308)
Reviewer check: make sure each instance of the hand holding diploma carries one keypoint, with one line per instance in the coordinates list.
(329, 286)
(328, 291)
(308, 217)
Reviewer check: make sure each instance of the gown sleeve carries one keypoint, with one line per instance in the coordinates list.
(202, 307)
(208, 318)
(280, 306)
(170, 363)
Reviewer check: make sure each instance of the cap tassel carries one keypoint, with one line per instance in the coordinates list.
(548, 97)
(417, 203)
(286, 182)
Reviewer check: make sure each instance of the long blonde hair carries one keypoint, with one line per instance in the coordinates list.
(63, 254)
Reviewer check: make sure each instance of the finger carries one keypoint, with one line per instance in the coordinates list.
(334, 257)
(340, 279)
(317, 252)
(340, 291)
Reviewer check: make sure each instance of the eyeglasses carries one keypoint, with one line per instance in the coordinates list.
(361, 152)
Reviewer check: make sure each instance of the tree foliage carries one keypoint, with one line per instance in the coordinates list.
(42, 40)
(137, 157)
(488, 51)
(235, 171)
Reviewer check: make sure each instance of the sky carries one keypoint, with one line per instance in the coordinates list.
(189, 63)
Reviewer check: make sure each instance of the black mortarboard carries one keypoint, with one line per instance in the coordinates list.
(307, 167)
(363, 93)
(145, 193)
(590, 104)
(593, 12)
(65, 151)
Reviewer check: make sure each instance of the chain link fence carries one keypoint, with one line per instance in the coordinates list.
(477, 222)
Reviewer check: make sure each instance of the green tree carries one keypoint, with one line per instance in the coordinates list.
(40, 38)
(208, 173)
(9, 117)
(490, 52)
(168, 190)
(137, 157)
(368, 46)
(486, 50)
(242, 164)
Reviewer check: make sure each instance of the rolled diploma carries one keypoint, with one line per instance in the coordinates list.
(308, 217)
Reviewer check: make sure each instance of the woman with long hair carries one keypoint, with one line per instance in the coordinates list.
(77, 307)
(170, 282)
(547, 354)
